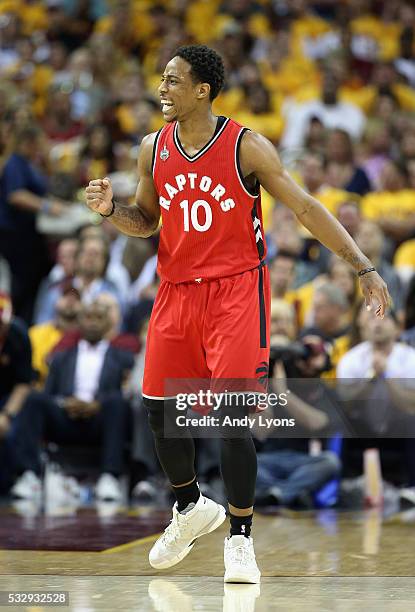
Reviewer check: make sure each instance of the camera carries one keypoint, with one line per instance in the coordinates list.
(290, 352)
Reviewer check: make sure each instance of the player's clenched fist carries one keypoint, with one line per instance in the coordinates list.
(99, 196)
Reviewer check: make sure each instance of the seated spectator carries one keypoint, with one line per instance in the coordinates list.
(45, 336)
(287, 474)
(311, 256)
(16, 376)
(348, 213)
(116, 272)
(376, 379)
(344, 277)
(342, 171)
(62, 272)
(59, 123)
(378, 144)
(313, 173)
(115, 336)
(82, 403)
(90, 277)
(370, 239)
(282, 274)
(332, 113)
(329, 307)
(393, 207)
(97, 155)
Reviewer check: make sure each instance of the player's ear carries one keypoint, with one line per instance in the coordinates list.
(203, 90)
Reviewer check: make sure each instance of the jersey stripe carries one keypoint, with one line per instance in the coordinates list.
(238, 166)
(155, 148)
(202, 151)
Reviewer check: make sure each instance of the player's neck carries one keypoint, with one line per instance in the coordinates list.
(197, 130)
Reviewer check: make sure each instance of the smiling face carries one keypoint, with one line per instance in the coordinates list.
(179, 94)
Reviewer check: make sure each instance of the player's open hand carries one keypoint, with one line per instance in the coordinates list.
(375, 292)
(99, 196)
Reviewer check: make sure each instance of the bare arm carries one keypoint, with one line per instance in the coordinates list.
(16, 399)
(402, 395)
(22, 198)
(140, 219)
(260, 159)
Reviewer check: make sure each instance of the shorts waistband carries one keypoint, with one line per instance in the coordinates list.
(200, 280)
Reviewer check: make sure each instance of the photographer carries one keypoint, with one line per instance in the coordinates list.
(287, 474)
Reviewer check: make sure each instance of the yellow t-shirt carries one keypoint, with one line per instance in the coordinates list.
(397, 204)
(44, 338)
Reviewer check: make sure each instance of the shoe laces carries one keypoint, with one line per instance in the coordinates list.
(241, 554)
(174, 530)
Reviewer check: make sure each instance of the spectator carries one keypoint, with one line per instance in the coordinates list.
(342, 171)
(62, 272)
(90, 278)
(23, 193)
(348, 213)
(282, 274)
(16, 376)
(392, 207)
(328, 310)
(376, 378)
(58, 122)
(313, 172)
(328, 109)
(45, 336)
(343, 276)
(378, 144)
(287, 474)
(82, 403)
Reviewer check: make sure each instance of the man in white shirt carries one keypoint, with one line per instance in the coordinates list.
(376, 377)
(82, 403)
(331, 112)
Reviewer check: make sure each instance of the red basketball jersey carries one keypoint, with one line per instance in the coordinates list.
(211, 223)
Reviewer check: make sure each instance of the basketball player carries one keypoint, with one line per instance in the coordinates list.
(202, 174)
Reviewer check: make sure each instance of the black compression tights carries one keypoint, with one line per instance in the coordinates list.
(176, 454)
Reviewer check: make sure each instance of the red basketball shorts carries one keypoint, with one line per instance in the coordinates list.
(212, 329)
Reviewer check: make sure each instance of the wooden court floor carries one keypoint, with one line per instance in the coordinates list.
(323, 561)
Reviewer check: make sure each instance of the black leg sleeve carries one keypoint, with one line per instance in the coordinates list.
(238, 460)
(174, 445)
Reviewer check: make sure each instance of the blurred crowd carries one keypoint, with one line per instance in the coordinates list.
(332, 84)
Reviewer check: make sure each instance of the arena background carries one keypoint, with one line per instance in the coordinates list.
(331, 84)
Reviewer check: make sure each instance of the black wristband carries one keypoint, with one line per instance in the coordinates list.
(112, 209)
(366, 271)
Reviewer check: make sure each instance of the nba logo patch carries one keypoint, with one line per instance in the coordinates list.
(164, 154)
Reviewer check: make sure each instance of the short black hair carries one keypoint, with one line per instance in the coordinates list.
(206, 66)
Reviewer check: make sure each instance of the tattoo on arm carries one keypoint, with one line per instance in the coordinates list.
(131, 221)
(357, 260)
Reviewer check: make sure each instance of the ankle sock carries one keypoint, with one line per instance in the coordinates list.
(241, 525)
(186, 495)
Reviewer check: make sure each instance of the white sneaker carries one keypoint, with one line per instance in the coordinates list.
(180, 535)
(108, 488)
(240, 563)
(28, 486)
(144, 491)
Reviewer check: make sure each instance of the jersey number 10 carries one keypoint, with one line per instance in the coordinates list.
(193, 217)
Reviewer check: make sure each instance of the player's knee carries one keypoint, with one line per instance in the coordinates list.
(155, 409)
